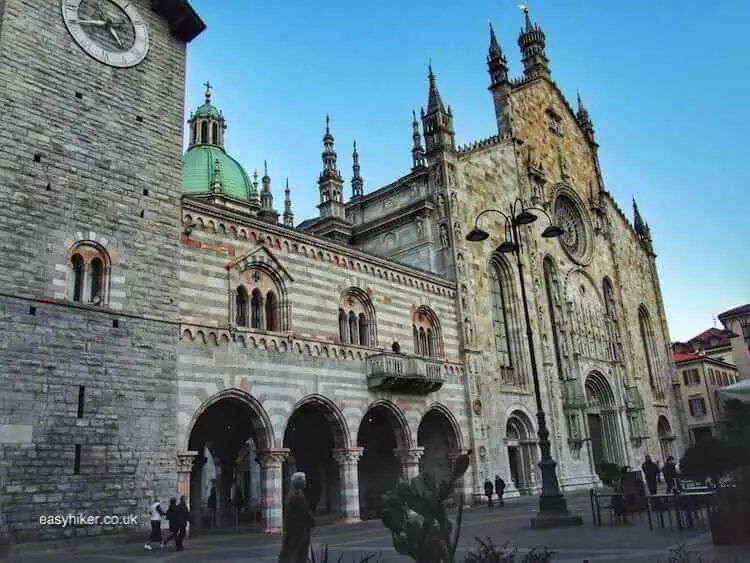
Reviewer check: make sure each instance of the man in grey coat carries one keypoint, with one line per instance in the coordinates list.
(298, 522)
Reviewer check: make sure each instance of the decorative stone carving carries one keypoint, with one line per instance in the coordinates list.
(440, 205)
(420, 226)
(477, 407)
(454, 200)
(464, 297)
(468, 331)
(344, 456)
(460, 264)
(444, 238)
(457, 230)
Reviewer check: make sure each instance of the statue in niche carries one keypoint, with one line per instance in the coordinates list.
(444, 240)
(464, 297)
(454, 200)
(460, 264)
(420, 226)
(440, 204)
(457, 230)
(468, 330)
(414, 190)
(563, 166)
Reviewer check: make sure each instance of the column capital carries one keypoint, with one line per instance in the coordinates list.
(347, 456)
(185, 460)
(273, 457)
(409, 454)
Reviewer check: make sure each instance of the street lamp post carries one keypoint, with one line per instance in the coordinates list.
(553, 510)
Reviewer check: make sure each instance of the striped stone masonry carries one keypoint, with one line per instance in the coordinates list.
(409, 461)
(271, 462)
(348, 458)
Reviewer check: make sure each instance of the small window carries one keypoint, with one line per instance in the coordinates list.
(78, 277)
(77, 461)
(204, 132)
(256, 309)
(241, 306)
(81, 396)
(215, 133)
(271, 311)
(97, 279)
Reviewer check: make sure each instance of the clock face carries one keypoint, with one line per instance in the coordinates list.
(111, 31)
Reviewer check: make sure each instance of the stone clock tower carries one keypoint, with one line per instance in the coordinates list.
(92, 124)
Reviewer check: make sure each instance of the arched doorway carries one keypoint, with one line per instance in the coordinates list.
(313, 430)
(225, 483)
(438, 435)
(522, 451)
(602, 418)
(666, 439)
(382, 431)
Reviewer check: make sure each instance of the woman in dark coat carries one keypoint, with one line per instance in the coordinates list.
(174, 520)
(298, 522)
(183, 518)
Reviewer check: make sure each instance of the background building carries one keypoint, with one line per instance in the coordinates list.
(737, 320)
(700, 376)
(166, 326)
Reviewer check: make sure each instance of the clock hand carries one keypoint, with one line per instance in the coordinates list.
(99, 23)
(115, 35)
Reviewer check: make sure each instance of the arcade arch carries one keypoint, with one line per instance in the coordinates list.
(665, 436)
(440, 438)
(387, 444)
(314, 430)
(229, 432)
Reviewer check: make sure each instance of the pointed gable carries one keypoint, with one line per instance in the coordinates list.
(262, 259)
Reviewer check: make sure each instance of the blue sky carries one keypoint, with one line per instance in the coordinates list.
(666, 84)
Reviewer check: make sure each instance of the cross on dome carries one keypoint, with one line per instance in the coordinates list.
(209, 90)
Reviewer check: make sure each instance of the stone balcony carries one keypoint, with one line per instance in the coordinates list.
(403, 373)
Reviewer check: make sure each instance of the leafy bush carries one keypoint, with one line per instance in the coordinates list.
(323, 557)
(487, 552)
(709, 458)
(610, 474)
(415, 512)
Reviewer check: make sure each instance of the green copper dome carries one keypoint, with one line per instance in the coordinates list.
(199, 173)
(207, 110)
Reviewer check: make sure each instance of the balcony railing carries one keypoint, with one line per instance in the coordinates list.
(399, 372)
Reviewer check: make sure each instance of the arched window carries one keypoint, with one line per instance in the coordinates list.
(353, 328)
(426, 330)
(256, 309)
(96, 275)
(648, 342)
(553, 306)
(89, 273)
(271, 311)
(364, 329)
(240, 303)
(204, 132)
(77, 264)
(195, 133)
(506, 323)
(356, 317)
(343, 327)
(610, 308)
(215, 133)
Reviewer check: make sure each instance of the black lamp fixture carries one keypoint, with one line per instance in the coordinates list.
(553, 511)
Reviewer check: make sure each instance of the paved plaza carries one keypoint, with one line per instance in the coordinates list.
(623, 543)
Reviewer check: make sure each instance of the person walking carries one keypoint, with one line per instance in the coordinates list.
(670, 474)
(488, 490)
(155, 513)
(651, 474)
(173, 519)
(183, 519)
(499, 489)
(298, 522)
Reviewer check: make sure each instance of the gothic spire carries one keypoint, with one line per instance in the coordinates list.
(437, 122)
(582, 115)
(417, 152)
(531, 40)
(434, 101)
(329, 154)
(496, 61)
(266, 197)
(288, 215)
(357, 182)
(639, 225)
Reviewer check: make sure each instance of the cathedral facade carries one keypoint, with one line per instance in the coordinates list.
(166, 329)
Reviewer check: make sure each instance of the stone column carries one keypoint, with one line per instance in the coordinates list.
(185, 462)
(348, 460)
(463, 486)
(409, 461)
(272, 488)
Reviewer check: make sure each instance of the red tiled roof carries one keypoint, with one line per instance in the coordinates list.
(703, 340)
(680, 357)
(739, 310)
